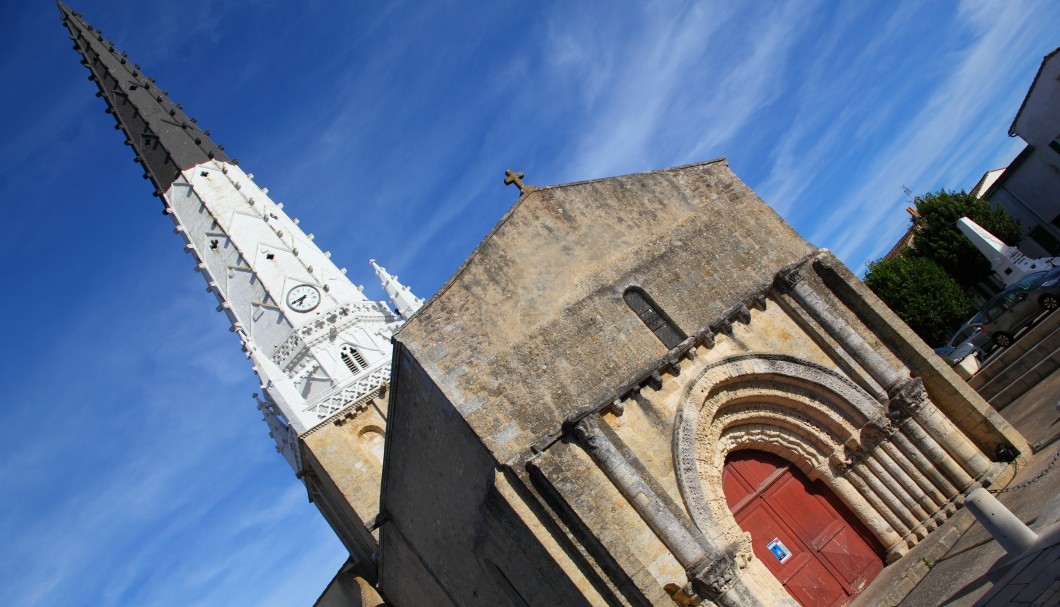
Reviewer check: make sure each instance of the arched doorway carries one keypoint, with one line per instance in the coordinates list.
(805, 536)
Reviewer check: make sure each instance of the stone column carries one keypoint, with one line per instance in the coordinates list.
(834, 325)
(882, 499)
(895, 545)
(685, 547)
(932, 498)
(910, 401)
(903, 505)
(857, 500)
(924, 462)
(883, 454)
(714, 574)
(907, 397)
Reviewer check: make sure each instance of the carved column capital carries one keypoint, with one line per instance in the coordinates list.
(877, 430)
(839, 464)
(587, 433)
(855, 453)
(907, 397)
(717, 575)
(786, 280)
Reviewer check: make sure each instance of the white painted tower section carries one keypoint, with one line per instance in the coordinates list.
(1009, 263)
(317, 343)
(402, 297)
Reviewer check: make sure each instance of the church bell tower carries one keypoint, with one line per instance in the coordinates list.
(320, 348)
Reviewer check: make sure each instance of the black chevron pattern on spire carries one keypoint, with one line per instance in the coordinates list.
(165, 139)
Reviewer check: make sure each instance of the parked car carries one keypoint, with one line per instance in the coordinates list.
(1017, 306)
(968, 344)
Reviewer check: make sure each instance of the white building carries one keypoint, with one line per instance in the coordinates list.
(1029, 189)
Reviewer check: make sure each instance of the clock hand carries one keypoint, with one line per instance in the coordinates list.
(299, 301)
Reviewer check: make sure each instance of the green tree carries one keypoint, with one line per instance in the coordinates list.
(938, 238)
(921, 293)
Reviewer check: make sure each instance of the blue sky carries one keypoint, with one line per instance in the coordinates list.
(136, 470)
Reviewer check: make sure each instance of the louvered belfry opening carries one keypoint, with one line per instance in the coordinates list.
(353, 359)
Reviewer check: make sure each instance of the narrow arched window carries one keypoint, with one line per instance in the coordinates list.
(653, 317)
(354, 360)
(373, 440)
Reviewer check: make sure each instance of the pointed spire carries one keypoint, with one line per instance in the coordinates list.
(1009, 262)
(402, 297)
(165, 139)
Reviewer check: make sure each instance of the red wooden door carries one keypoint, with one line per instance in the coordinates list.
(820, 552)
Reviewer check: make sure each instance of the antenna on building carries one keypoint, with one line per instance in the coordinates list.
(907, 192)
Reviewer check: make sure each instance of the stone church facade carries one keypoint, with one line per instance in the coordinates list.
(640, 390)
(620, 366)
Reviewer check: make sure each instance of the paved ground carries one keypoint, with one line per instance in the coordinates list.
(961, 561)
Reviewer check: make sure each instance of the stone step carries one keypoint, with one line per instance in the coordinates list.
(1025, 382)
(1033, 357)
(1045, 334)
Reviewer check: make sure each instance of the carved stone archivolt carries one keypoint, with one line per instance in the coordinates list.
(801, 410)
(875, 457)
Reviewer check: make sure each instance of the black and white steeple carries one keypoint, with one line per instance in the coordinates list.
(319, 346)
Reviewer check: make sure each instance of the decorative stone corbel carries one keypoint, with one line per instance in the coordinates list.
(707, 338)
(654, 381)
(724, 327)
(742, 315)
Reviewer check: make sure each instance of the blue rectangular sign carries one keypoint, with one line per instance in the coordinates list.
(779, 550)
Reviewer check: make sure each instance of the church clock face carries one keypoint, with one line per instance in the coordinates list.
(303, 298)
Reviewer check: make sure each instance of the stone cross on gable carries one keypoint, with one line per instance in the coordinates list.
(512, 177)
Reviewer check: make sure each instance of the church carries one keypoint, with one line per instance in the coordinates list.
(640, 390)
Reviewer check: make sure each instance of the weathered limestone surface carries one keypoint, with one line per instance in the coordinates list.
(444, 514)
(533, 409)
(533, 325)
(953, 396)
(349, 589)
(344, 447)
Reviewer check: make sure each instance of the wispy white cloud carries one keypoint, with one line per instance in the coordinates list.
(662, 52)
(138, 471)
(144, 484)
(751, 83)
(963, 113)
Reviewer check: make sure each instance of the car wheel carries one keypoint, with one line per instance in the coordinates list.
(1049, 301)
(1002, 340)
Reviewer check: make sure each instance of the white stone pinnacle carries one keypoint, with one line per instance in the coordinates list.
(404, 300)
(1009, 263)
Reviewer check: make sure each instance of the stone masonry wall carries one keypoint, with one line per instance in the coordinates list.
(533, 326)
